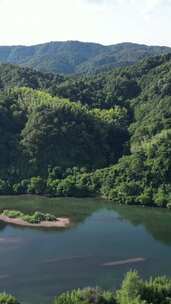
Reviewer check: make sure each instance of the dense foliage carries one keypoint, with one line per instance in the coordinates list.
(107, 134)
(7, 299)
(39, 132)
(12, 75)
(132, 291)
(74, 57)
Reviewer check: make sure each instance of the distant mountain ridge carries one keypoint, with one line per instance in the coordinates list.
(75, 57)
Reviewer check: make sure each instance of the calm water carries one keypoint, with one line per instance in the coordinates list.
(35, 264)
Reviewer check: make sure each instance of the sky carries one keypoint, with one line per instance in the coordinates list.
(107, 22)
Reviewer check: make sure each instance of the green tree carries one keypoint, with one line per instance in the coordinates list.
(7, 299)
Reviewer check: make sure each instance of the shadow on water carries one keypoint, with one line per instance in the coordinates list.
(2, 225)
(156, 221)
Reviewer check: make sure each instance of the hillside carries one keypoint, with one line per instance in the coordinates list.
(13, 75)
(107, 134)
(74, 57)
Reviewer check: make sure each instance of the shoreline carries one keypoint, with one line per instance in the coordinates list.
(60, 222)
(95, 196)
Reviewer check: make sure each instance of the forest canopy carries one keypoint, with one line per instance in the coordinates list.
(107, 134)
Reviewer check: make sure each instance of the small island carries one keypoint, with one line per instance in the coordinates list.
(37, 219)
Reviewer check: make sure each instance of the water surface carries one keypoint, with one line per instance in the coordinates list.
(37, 264)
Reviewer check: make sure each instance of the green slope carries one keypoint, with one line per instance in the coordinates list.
(74, 57)
(108, 134)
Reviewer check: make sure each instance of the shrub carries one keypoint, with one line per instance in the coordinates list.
(37, 185)
(86, 296)
(7, 299)
(21, 187)
(169, 206)
(131, 289)
(158, 290)
(49, 217)
(4, 187)
(161, 198)
(12, 213)
(35, 218)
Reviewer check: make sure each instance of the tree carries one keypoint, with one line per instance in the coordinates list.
(131, 289)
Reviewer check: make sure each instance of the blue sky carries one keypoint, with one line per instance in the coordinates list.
(103, 21)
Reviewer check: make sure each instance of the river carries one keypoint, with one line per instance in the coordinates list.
(102, 244)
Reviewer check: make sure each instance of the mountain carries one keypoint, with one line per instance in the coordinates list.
(107, 134)
(74, 57)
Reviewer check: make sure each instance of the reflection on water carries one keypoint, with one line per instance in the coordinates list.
(2, 225)
(156, 221)
(37, 264)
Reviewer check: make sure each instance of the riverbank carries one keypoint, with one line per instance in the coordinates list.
(60, 222)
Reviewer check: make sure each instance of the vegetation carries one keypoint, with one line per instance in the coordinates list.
(87, 295)
(39, 132)
(72, 57)
(7, 299)
(108, 134)
(12, 75)
(132, 291)
(36, 218)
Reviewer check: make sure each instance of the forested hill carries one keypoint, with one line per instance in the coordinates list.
(107, 134)
(74, 57)
(15, 76)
